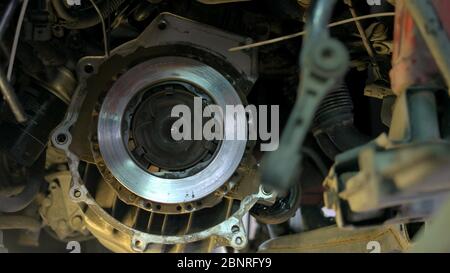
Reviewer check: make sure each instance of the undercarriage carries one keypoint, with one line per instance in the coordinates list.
(224, 126)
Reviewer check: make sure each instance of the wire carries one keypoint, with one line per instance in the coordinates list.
(105, 35)
(298, 34)
(16, 40)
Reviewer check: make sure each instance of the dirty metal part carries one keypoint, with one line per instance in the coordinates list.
(378, 87)
(230, 232)
(400, 178)
(242, 183)
(434, 29)
(155, 223)
(55, 158)
(429, 166)
(383, 183)
(324, 62)
(281, 211)
(378, 35)
(62, 215)
(172, 25)
(377, 91)
(433, 238)
(413, 61)
(177, 36)
(391, 239)
(182, 39)
(415, 117)
(60, 81)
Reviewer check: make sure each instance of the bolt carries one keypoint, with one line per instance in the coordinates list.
(77, 221)
(162, 25)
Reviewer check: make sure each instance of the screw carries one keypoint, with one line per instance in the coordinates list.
(162, 25)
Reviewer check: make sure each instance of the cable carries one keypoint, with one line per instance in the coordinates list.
(102, 20)
(298, 34)
(16, 40)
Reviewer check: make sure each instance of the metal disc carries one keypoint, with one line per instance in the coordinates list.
(111, 137)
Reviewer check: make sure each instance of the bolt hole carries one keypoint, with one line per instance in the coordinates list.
(89, 69)
(235, 229)
(138, 243)
(61, 139)
(327, 53)
(162, 25)
(266, 191)
(238, 240)
(179, 208)
(76, 193)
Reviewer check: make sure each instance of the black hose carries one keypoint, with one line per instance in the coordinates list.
(89, 18)
(333, 124)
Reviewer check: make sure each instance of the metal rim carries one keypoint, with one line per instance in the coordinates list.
(117, 157)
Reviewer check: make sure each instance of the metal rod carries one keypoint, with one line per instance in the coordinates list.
(5, 87)
(5, 20)
(299, 34)
(278, 176)
(320, 18)
(16, 39)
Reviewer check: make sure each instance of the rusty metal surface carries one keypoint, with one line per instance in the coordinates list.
(412, 61)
